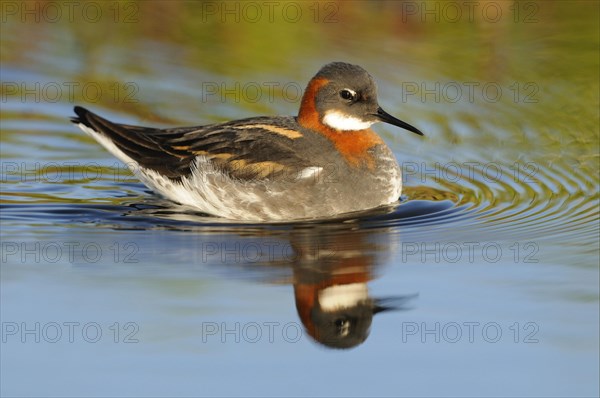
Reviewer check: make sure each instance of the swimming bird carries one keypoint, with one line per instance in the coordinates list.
(322, 163)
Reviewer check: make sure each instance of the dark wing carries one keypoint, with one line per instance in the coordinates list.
(260, 147)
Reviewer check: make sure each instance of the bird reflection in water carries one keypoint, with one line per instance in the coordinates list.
(331, 271)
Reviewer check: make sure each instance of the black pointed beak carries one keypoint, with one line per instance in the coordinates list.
(397, 303)
(382, 308)
(387, 118)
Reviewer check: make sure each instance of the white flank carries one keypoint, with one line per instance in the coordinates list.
(340, 121)
(343, 296)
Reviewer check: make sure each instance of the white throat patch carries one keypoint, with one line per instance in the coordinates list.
(340, 121)
(343, 296)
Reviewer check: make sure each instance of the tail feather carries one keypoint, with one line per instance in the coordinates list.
(133, 144)
(125, 137)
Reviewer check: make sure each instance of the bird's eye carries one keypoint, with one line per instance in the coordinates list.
(347, 94)
(342, 327)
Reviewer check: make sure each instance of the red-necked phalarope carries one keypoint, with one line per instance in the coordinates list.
(324, 162)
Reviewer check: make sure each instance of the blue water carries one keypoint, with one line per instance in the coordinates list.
(487, 265)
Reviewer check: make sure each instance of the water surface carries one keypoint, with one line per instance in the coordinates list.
(487, 265)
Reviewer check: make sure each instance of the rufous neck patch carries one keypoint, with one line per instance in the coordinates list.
(308, 115)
